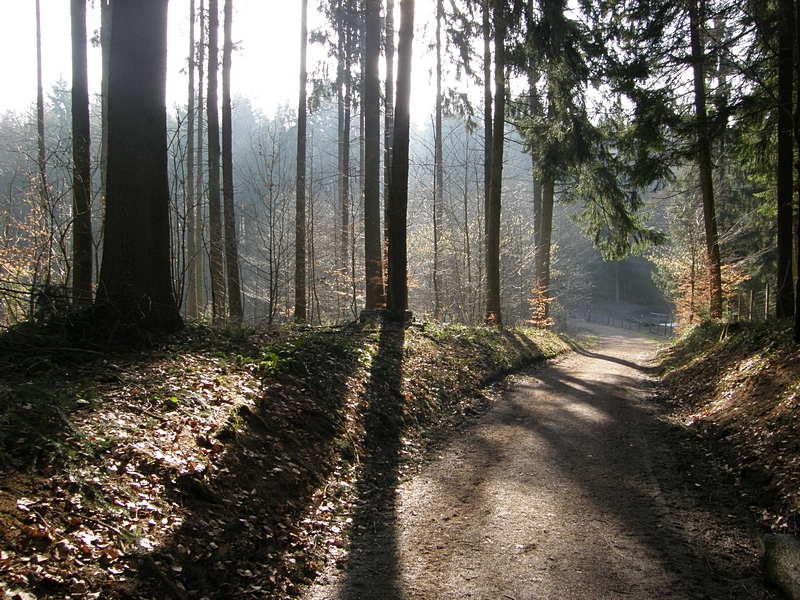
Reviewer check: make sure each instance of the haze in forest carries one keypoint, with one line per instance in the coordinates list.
(265, 63)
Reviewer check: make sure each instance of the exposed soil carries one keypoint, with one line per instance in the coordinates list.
(576, 484)
(218, 464)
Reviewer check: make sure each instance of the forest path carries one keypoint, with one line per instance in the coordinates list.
(570, 487)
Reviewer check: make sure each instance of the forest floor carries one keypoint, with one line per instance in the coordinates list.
(274, 464)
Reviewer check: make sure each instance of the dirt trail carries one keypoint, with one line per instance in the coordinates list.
(571, 487)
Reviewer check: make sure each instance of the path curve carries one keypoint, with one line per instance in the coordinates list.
(570, 487)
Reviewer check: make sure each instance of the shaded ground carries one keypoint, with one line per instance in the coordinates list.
(575, 485)
(735, 388)
(218, 464)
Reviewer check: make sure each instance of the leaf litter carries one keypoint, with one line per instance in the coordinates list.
(221, 464)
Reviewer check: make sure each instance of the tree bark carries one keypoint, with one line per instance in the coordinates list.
(438, 183)
(214, 207)
(487, 108)
(199, 213)
(232, 277)
(300, 204)
(398, 197)
(493, 314)
(105, 43)
(191, 202)
(784, 298)
(704, 164)
(344, 91)
(797, 168)
(82, 245)
(135, 277)
(388, 119)
(41, 154)
(543, 245)
(373, 255)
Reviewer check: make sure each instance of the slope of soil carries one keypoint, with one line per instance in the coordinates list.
(219, 464)
(573, 485)
(736, 388)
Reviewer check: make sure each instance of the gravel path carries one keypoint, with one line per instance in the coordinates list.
(570, 487)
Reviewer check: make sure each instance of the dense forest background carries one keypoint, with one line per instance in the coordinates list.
(637, 154)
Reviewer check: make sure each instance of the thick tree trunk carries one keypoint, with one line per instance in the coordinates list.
(300, 204)
(232, 278)
(135, 277)
(81, 166)
(784, 298)
(704, 164)
(398, 197)
(373, 255)
(493, 315)
(797, 168)
(214, 205)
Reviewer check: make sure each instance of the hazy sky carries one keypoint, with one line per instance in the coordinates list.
(264, 69)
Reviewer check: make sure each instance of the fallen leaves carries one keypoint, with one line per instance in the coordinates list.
(222, 477)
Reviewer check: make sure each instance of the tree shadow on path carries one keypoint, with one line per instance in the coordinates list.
(374, 552)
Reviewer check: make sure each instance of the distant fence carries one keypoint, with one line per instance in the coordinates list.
(752, 306)
(652, 322)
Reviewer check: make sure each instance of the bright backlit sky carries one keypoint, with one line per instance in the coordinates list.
(265, 68)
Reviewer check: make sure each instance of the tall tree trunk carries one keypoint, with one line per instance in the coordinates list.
(543, 246)
(388, 118)
(105, 46)
(300, 205)
(191, 202)
(214, 208)
(232, 278)
(81, 167)
(487, 106)
(135, 276)
(373, 255)
(398, 197)
(345, 100)
(704, 163)
(797, 168)
(438, 160)
(784, 298)
(467, 242)
(199, 179)
(493, 315)
(534, 108)
(41, 153)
